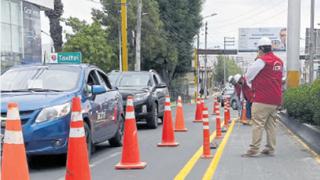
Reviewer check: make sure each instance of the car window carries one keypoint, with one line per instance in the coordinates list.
(135, 80)
(93, 78)
(113, 77)
(104, 80)
(156, 82)
(158, 78)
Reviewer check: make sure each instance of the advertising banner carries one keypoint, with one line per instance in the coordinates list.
(249, 37)
(32, 33)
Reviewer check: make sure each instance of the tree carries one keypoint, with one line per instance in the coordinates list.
(182, 21)
(231, 68)
(168, 29)
(55, 27)
(153, 45)
(91, 41)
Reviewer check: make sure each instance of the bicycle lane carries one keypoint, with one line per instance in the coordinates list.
(292, 159)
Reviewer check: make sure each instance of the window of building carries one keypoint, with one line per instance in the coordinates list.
(11, 33)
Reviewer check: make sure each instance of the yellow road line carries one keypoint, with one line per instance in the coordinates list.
(214, 163)
(190, 164)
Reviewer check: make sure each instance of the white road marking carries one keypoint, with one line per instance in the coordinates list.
(99, 161)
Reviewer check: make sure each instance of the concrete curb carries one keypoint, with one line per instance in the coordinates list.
(308, 135)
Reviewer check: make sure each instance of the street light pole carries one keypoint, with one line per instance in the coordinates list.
(205, 61)
(137, 66)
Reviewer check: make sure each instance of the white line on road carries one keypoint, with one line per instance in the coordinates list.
(99, 161)
(104, 159)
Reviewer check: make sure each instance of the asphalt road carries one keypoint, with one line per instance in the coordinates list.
(166, 162)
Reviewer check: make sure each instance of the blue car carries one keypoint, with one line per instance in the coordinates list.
(44, 93)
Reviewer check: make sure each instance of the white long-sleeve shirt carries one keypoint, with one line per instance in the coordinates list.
(254, 69)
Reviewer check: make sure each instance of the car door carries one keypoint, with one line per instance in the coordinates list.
(110, 106)
(97, 114)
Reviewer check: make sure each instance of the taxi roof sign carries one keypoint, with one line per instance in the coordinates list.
(66, 58)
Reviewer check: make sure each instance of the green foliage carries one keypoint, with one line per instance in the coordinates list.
(90, 40)
(168, 29)
(303, 103)
(153, 45)
(231, 68)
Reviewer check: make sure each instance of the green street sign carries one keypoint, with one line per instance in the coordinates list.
(66, 58)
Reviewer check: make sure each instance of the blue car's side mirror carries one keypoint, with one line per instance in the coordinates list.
(98, 89)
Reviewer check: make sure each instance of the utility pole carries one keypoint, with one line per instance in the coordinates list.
(312, 43)
(137, 66)
(293, 44)
(224, 61)
(228, 41)
(124, 35)
(197, 64)
(205, 62)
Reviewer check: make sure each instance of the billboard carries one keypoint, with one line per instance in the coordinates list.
(32, 34)
(249, 37)
(317, 37)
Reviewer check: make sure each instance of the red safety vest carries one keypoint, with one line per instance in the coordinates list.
(247, 91)
(267, 84)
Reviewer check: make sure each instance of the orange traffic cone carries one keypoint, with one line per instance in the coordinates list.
(77, 157)
(215, 106)
(244, 114)
(226, 115)
(14, 160)
(206, 135)
(198, 117)
(218, 125)
(228, 112)
(130, 151)
(179, 126)
(167, 129)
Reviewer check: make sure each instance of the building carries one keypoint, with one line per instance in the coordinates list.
(21, 31)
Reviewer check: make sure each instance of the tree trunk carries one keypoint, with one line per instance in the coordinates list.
(55, 27)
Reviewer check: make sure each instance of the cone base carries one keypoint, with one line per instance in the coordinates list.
(181, 130)
(224, 130)
(174, 144)
(213, 145)
(206, 156)
(139, 165)
(197, 121)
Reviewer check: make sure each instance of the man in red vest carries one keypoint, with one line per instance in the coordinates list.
(264, 78)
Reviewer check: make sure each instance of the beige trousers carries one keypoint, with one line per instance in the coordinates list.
(263, 117)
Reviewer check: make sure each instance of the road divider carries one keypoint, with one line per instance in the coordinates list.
(214, 163)
(183, 173)
(179, 123)
(130, 151)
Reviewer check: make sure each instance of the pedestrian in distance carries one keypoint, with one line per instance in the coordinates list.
(246, 94)
(264, 77)
(237, 93)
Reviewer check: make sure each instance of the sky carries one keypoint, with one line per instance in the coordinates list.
(231, 15)
(235, 14)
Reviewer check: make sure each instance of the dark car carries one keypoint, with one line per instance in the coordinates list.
(148, 90)
(44, 93)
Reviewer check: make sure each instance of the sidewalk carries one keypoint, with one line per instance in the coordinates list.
(292, 160)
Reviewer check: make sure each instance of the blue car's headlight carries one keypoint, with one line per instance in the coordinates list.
(141, 97)
(53, 112)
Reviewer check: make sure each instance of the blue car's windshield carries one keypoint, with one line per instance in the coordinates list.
(40, 79)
